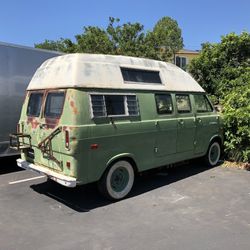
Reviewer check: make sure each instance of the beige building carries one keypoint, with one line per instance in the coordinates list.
(183, 57)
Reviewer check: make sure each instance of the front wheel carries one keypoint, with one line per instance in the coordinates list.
(213, 154)
(117, 181)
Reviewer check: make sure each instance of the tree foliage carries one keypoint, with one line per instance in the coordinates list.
(93, 39)
(168, 38)
(223, 70)
(62, 45)
(124, 39)
(236, 105)
(218, 65)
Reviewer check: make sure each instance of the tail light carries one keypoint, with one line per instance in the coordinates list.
(66, 139)
(68, 165)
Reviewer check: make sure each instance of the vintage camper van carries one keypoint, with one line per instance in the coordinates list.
(104, 118)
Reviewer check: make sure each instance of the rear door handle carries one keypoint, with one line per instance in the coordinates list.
(42, 126)
(181, 122)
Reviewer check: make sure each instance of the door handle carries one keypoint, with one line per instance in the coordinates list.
(42, 126)
(181, 122)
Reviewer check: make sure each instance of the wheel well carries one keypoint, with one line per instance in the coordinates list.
(217, 139)
(125, 158)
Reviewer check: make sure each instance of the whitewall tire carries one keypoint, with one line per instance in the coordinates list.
(213, 154)
(117, 181)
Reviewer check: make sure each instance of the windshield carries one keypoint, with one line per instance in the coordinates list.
(35, 103)
(54, 105)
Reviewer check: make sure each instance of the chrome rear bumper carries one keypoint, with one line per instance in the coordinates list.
(59, 178)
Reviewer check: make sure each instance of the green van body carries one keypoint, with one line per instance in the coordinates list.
(147, 139)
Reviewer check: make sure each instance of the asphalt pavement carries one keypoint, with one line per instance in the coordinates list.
(188, 207)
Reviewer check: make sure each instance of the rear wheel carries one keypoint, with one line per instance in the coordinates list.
(213, 154)
(117, 181)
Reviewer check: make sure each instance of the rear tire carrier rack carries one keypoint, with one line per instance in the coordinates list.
(18, 142)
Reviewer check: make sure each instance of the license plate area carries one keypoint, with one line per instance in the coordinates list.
(30, 153)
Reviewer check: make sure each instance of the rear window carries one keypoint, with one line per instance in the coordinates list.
(54, 104)
(35, 103)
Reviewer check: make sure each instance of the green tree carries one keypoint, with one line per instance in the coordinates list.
(62, 45)
(167, 38)
(218, 65)
(223, 70)
(124, 39)
(127, 39)
(94, 40)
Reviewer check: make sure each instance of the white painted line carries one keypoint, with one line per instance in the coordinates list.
(24, 180)
(179, 199)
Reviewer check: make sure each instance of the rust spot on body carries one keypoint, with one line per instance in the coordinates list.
(51, 122)
(33, 122)
(72, 105)
(71, 128)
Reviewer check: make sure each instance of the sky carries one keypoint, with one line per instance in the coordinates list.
(27, 22)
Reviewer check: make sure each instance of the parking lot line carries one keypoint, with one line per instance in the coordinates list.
(24, 180)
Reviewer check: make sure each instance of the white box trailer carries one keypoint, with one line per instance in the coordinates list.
(17, 66)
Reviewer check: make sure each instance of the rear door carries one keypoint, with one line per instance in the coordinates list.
(186, 124)
(33, 113)
(50, 133)
(44, 111)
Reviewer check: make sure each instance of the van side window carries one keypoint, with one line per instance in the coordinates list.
(140, 76)
(98, 106)
(35, 103)
(54, 104)
(183, 103)
(132, 105)
(202, 104)
(114, 105)
(163, 103)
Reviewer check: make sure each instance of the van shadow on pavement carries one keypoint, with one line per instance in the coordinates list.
(85, 198)
(8, 165)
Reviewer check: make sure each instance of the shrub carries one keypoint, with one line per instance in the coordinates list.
(236, 116)
(223, 70)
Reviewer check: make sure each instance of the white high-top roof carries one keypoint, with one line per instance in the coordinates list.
(103, 71)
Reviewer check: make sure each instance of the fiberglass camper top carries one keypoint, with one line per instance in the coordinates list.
(109, 72)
